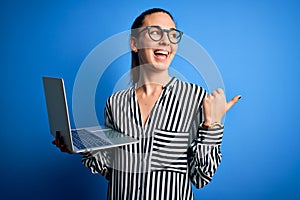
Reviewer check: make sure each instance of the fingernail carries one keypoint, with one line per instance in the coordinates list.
(240, 97)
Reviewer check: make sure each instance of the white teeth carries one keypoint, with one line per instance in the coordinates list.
(162, 52)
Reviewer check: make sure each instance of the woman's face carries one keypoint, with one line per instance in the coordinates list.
(157, 53)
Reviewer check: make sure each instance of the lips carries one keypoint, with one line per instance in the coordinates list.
(161, 54)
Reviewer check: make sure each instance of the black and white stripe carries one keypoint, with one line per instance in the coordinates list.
(173, 151)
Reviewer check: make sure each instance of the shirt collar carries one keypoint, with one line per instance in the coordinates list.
(170, 84)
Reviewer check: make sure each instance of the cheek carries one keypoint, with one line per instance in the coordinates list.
(145, 42)
(174, 48)
(145, 55)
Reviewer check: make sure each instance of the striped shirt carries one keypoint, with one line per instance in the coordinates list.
(173, 150)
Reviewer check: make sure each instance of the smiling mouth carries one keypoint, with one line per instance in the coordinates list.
(161, 54)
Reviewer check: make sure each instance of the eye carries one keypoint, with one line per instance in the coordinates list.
(174, 34)
(155, 32)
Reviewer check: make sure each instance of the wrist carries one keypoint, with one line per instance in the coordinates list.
(209, 125)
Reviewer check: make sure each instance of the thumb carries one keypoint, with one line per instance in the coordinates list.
(232, 102)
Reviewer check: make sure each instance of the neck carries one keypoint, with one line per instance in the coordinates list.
(150, 78)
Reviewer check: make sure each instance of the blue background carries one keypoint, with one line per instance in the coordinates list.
(255, 45)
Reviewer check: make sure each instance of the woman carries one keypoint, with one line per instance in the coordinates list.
(177, 124)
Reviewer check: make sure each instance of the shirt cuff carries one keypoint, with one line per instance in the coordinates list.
(210, 136)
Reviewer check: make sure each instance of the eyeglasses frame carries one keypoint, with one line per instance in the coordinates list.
(163, 31)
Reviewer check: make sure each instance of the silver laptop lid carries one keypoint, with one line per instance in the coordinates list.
(57, 108)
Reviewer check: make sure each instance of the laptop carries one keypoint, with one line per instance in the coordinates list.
(81, 139)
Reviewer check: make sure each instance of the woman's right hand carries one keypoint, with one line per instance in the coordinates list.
(59, 143)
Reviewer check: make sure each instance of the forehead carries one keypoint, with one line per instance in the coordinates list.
(159, 19)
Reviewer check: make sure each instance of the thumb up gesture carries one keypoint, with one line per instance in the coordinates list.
(215, 106)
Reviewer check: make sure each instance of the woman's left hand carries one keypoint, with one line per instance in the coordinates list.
(215, 106)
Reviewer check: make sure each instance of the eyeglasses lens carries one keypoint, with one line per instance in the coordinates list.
(156, 34)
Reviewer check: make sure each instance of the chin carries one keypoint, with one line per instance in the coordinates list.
(162, 66)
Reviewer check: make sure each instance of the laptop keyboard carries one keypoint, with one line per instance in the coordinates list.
(83, 139)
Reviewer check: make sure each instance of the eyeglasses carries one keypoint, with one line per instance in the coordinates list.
(156, 33)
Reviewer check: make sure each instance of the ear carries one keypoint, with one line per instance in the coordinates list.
(133, 44)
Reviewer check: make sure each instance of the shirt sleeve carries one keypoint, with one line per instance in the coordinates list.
(204, 155)
(100, 161)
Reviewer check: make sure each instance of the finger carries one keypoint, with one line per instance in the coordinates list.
(217, 92)
(56, 142)
(232, 102)
(57, 135)
(214, 93)
(63, 148)
(207, 108)
(66, 150)
(59, 140)
(220, 91)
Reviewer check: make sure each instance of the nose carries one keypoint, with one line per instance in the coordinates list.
(165, 39)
